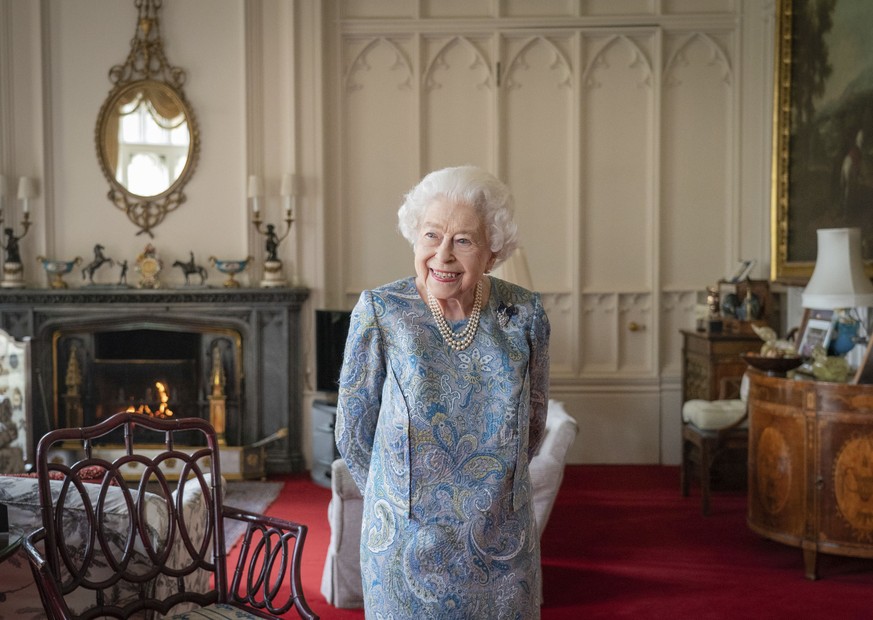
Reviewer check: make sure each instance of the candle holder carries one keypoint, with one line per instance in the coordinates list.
(13, 270)
(273, 274)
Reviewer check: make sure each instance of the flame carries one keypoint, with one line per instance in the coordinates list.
(163, 410)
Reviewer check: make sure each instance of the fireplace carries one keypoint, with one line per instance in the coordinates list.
(162, 370)
(98, 351)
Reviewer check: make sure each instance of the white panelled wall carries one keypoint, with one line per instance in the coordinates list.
(635, 135)
(620, 128)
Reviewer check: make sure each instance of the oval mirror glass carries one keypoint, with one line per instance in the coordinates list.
(145, 138)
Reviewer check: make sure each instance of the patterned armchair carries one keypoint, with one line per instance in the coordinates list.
(123, 550)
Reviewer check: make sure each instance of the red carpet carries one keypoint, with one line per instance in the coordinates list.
(623, 543)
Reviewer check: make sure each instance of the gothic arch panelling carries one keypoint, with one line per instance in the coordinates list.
(564, 345)
(599, 350)
(697, 161)
(539, 139)
(361, 62)
(379, 159)
(678, 311)
(520, 62)
(635, 332)
(475, 62)
(617, 112)
(457, 102)
(679, 58)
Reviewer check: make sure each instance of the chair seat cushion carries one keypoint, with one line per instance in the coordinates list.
(713, 414)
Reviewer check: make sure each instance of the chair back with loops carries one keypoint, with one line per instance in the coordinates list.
(128, 544)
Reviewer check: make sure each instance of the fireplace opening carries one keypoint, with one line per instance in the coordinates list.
(165, 370)
(153, 372)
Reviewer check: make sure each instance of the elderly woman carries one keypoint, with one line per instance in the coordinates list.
(442, 402)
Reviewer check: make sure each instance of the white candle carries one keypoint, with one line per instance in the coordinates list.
(290, 189)
(256, 190)
(26, 190)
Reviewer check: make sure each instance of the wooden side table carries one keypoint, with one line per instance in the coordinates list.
(709, 359)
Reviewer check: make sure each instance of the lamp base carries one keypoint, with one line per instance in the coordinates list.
(13, 276)
(273, 276)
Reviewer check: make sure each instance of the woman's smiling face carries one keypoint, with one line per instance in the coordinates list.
(452, 250)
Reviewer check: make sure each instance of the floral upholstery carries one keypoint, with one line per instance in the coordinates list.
(19, 597)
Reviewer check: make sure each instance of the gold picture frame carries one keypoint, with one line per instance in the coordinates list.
(822, 169)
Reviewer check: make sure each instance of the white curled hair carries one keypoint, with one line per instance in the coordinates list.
(470, 185)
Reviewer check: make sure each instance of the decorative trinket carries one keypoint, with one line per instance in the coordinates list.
(504, 313)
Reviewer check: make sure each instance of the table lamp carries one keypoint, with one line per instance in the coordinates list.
(838, 281)
(515, 269)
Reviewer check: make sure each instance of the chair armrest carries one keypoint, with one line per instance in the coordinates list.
(49, 590)
(264, 560)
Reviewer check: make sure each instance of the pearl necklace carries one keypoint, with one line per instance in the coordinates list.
(461, 341)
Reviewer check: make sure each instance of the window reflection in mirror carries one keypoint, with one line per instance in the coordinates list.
(147, 140)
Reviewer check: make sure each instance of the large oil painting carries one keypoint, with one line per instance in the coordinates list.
(823, 130)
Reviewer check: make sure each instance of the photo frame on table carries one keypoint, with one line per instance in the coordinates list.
(817, 329)
(864, 374)
(822, 131)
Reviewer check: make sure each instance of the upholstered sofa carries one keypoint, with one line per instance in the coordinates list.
(19, 597)
(341, 580)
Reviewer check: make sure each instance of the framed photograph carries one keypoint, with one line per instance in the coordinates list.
(817, 331)
(864, 374)
(822, 130)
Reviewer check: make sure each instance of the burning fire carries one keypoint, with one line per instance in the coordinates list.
(163, 410)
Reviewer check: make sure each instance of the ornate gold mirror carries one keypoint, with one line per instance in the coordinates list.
(146, 136)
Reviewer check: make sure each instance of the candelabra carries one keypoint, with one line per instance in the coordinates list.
(13, 270)
(273, 268)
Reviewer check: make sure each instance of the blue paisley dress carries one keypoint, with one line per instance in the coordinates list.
(439, 442)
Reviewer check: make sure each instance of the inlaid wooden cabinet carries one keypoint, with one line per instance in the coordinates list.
(811, 466)
(708, 359)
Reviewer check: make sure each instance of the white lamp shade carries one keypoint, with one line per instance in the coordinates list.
(26, 188)
(256, 186)
(838, 280)
(515, 269)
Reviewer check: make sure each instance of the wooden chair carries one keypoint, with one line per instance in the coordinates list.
(119, 550)
(711, 429)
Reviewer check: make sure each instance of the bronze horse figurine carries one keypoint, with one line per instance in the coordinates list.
(89, 269)
(191, 267)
